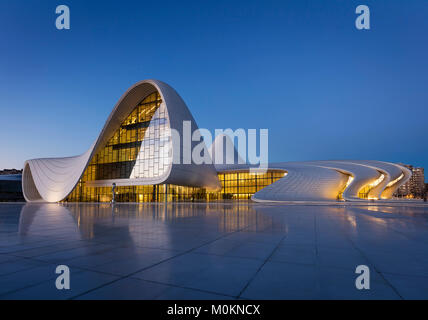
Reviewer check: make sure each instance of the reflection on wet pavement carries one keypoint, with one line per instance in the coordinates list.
(213, 251)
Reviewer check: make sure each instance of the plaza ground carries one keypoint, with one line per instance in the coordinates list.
(214, 250)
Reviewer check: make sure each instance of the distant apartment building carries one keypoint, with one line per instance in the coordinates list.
(415, 187)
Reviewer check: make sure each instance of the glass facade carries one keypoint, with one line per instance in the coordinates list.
(242, 184)
(141, 148)
(238, 185)
(363, 193)
(146, 193)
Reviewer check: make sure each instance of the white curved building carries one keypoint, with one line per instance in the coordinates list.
(137, 151)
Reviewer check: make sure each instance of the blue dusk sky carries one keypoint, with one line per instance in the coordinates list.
(301, 69)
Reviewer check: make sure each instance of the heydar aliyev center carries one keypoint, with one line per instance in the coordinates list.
(134, 153)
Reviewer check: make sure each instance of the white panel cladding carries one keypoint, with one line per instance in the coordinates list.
(324, 180)
(157, 140)
(397, 182)
(304, 182)
(53, 179)
(362, 175)
(183, 173)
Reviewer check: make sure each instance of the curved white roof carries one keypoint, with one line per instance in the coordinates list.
(53, 179)
(324, 180)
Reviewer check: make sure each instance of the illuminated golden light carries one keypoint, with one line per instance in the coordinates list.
(391, 183)
(364, 191)
(120, 159)
(377, 181)
(350, 179)
(243, 184)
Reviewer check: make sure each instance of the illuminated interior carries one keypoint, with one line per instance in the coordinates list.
(243, 184)
(146, 193)
(239, 185)
(391, 184)
(140, 148)
(363, 193)
(348, 182)
(134, 151)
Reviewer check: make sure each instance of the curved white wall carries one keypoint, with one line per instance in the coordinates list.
(323, 180)
(53, 179)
